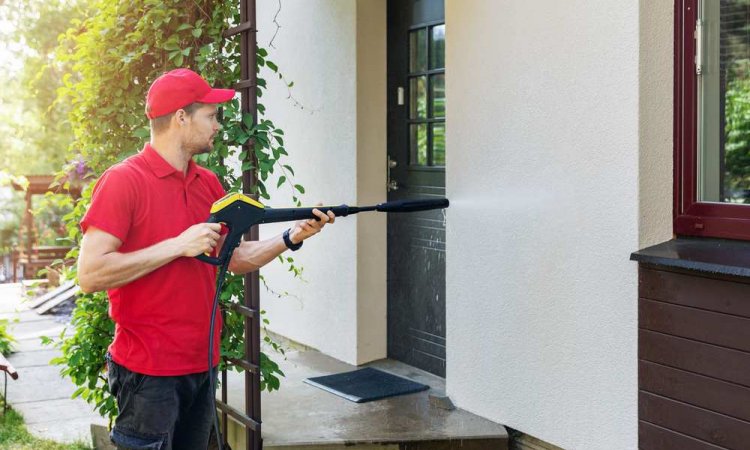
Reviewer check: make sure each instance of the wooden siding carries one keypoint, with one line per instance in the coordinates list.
(694, 361)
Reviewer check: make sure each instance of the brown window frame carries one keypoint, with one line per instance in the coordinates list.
(692, 217)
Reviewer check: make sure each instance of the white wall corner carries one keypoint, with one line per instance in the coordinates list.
(371, 131)
(655, 120)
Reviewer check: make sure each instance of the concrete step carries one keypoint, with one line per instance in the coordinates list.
(462, 444)
(459, 444)
(300, 416)
(100, 437)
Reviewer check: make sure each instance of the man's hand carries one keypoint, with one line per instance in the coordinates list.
(198, 239)
(252, 255)
(306, 228)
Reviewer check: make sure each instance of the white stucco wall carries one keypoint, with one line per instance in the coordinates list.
(656, 121)
(337, 162)
(559, 166)
(542, 174)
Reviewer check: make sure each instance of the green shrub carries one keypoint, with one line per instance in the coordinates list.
(6, 340)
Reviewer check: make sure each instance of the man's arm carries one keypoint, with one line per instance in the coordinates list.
(252, 255)
(101, 266)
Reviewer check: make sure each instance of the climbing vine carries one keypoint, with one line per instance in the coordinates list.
(114, 55)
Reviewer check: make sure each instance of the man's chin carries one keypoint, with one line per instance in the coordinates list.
(206, 149)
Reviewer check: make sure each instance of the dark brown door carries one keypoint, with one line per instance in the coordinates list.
(416, 153)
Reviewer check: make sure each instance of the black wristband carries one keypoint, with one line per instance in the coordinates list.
(288, 242)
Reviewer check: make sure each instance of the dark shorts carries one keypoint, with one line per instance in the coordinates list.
(161, 413)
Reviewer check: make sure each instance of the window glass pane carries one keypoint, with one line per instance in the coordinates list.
(437, 85)
(437, 47)
(438, 144)
(418, 50)
(418, 97)
(418, 143)
(724, 102)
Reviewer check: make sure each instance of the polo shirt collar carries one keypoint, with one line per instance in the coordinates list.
(161, 167)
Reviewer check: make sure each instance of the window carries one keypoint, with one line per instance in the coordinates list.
(712, 118)
(427, 96)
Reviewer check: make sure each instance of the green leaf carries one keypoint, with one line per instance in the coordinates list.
(289, 168)
(281, 181)
(247, 119)
(271, 65)
(299, 188)
(142, 133)
(184, 26)
(172, 43)
(196, 34)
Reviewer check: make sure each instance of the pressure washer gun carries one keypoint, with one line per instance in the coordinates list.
(240, 212)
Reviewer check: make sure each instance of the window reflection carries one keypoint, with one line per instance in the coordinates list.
(418, 143)
(724, 102)
(438, 144)
(437, 47)
(418, 50)
(418, 97)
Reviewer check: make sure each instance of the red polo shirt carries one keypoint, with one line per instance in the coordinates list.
(161, 319)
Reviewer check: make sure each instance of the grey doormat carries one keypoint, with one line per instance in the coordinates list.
(365, 385)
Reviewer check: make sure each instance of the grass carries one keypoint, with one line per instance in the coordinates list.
(15, 436)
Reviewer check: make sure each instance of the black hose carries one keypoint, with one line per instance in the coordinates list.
(211, 380)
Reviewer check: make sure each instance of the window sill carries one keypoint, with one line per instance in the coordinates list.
(708, 255)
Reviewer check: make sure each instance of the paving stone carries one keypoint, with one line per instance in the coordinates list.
(41, 394)
(25, 330)
(60, 410)
(39, 383)
(74, 430)
(21, 360)
(29, 345)
(22, 315)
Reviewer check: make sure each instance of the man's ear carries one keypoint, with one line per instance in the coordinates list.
(180, 116)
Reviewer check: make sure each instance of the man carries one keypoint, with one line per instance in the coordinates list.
(141, 233)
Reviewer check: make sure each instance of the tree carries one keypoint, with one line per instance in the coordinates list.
(34, 132)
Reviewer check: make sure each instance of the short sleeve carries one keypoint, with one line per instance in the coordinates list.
(112, 205)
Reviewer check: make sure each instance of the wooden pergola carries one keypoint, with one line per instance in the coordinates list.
(28, 254)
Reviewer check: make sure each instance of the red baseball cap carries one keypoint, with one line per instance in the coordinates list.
(178, 88)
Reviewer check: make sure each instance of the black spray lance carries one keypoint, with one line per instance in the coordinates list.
(239, 213)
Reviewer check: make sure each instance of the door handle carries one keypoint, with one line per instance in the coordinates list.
(391, 184)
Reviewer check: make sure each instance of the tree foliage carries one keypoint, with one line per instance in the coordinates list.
(34, 131)
(737, 133)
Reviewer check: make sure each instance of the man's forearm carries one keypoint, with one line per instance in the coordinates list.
(116, 269)
(252, 255)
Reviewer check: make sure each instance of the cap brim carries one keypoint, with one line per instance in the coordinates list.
(217, 96)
